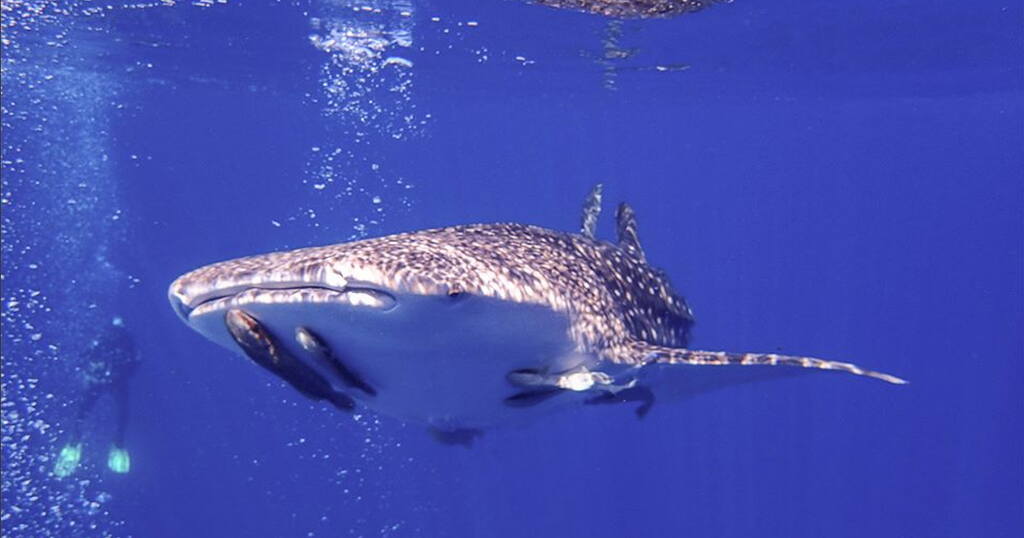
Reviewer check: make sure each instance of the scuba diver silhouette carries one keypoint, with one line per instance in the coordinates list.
(110, 362)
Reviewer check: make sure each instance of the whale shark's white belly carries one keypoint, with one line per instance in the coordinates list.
(435, 360)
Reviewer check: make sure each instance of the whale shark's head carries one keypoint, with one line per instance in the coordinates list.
(305, 276)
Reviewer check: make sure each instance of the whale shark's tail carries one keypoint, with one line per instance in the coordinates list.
(642, 353)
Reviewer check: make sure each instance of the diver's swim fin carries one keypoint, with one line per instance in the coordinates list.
(118, 460)
(67, 460)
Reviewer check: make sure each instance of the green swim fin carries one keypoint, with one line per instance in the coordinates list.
(118, 460)
(67, 460)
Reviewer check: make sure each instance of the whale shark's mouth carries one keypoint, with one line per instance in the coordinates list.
(241, 297)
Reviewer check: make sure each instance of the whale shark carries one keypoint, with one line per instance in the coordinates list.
(469, 327)
(632, 9)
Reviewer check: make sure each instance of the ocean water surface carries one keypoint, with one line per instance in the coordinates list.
(843, 180)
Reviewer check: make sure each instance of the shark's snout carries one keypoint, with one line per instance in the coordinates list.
(179, 302)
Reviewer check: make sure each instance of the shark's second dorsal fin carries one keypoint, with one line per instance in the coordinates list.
(591, 211)
(625, 223)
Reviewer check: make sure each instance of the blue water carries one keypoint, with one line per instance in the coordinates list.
(840, 180)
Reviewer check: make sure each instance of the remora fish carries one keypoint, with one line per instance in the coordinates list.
(466, 327)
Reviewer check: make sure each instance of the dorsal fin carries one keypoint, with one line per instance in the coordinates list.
(625, 223)
(591, 210)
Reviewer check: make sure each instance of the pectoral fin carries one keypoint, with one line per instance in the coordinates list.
(540, 386)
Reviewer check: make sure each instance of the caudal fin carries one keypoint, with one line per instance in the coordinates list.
(641, 353)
